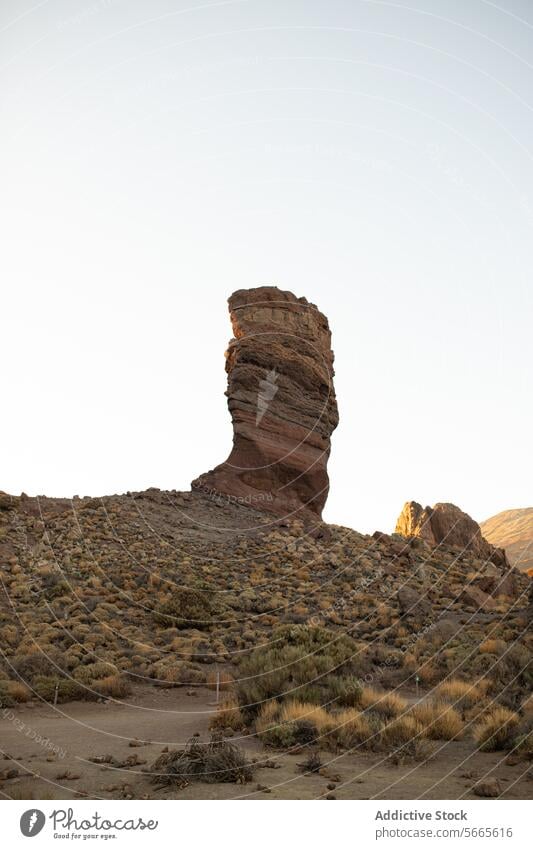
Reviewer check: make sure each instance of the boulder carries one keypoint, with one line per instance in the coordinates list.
(489, 788)
(474, 597)
(412, 604)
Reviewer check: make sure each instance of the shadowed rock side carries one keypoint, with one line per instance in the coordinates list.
(446, 524)
(282, 404)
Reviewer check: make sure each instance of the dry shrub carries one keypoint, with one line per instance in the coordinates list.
(32, 664)
(226, 681)
(493, 647)
(428, 672)
(295, 711)
(181, 674)
(496, 730)
(18, 691)
(267, 716)
(460, 693)
(113, 686)
(439, 720)
(527, 705)
(228, 715)
(292, 723)
(417, 749)
(214, 762)
(93, 671)
(312, 763)
(400, 731)
(300, 662)
(187, 608)
(350, 728)
(68, 690)
(523, 739)
(386, 705)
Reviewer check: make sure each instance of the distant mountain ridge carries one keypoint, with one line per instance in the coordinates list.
(513, 531)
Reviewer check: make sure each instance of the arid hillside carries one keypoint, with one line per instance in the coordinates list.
(512, 530)
(318, 636)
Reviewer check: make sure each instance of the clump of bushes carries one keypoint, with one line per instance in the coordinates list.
(37, 663)
(187, 608)
(178, 674)
(300, 663)
(94, 671)
(214, 762)
(13, 692)
(294, 723)
(112, 686)
(284, 725)
(68, 690)
(6, 700)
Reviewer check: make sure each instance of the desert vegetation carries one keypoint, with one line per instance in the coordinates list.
(369, 644)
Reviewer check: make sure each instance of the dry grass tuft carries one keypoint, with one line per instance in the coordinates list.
(296, 711)
(460, 693)
(113, 686)
(401, 731)
(18, 691)
(493, 647)
(496, 730)
(350, 728)
(439, 720)
(228, 715)
(386, 705)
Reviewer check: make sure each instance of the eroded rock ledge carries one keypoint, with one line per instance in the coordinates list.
(282, 404)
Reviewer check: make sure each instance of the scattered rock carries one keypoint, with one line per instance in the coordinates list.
(489, 788)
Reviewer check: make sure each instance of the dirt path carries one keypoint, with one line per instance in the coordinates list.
(50, 748)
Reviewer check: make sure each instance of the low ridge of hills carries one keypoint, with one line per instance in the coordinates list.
(513, 531)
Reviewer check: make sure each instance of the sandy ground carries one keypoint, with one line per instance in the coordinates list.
(159, 718)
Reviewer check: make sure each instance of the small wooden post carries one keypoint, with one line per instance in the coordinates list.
(417, 680)
(218, 685)
(55, 694)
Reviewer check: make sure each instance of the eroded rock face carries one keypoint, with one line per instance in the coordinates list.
(446, 524)
(282, 404)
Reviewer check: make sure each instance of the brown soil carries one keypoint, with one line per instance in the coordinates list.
(160, 718)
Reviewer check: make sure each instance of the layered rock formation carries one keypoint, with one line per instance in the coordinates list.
(282, 404)
(446, 524)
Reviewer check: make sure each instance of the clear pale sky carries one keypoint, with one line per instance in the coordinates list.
(375, 157)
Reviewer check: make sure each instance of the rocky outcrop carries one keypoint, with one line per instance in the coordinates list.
(446, 524)
(282, 404)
